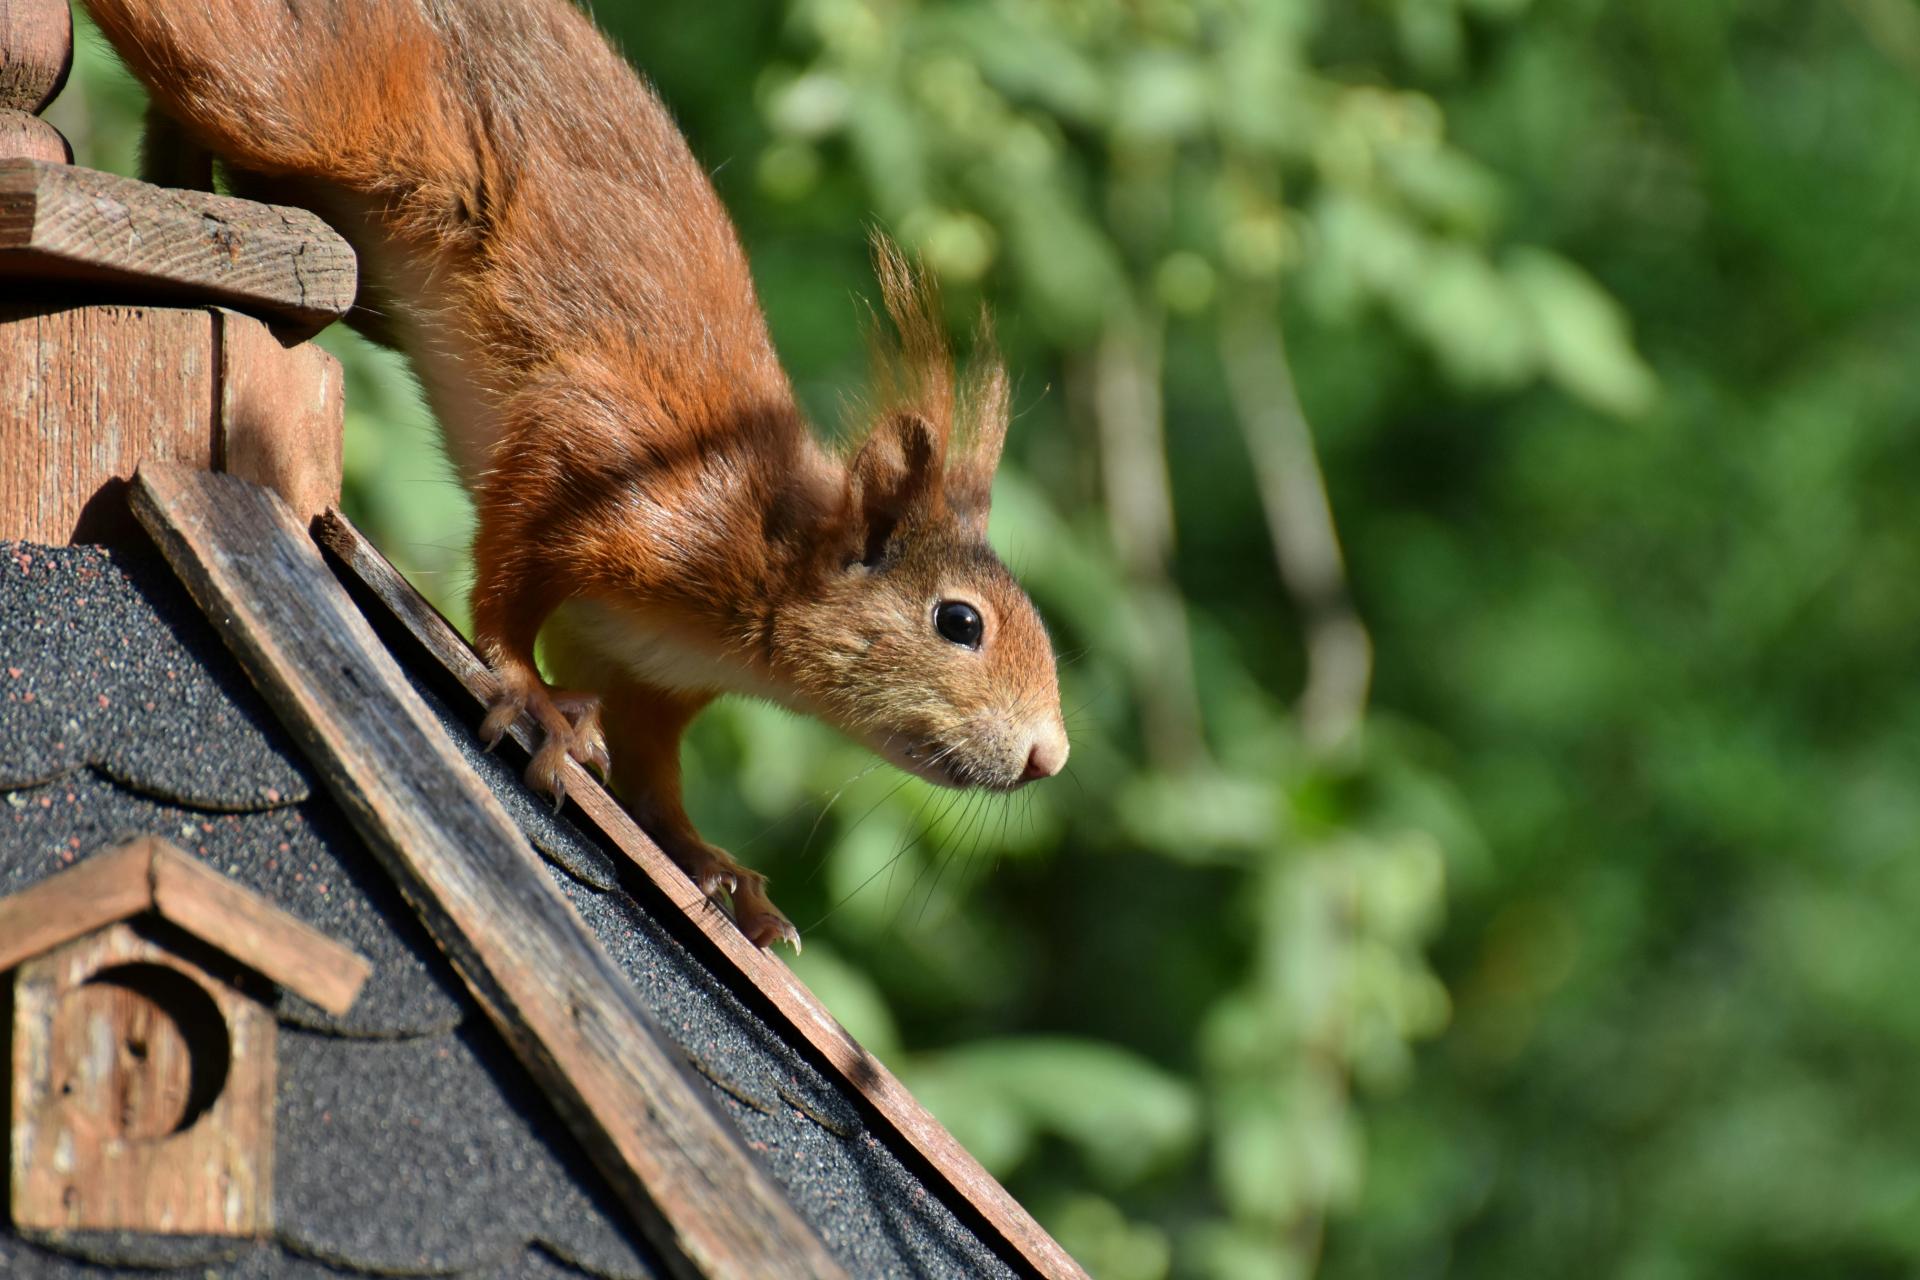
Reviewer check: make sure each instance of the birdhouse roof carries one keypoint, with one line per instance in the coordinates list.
(146, 874)
(412, 1137)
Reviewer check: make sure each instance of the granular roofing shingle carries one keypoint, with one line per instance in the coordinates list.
(88, 666)
(410, 1141)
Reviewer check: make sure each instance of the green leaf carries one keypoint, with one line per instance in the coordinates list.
(1162, 94)
(1582, 333)
(1126, 1116)
(1102, 1239)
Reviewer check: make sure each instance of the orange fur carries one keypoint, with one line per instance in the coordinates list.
(539, 239)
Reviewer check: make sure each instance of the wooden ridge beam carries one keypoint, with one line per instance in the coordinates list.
(795, 1009)
(571, 1016)
(72, 225)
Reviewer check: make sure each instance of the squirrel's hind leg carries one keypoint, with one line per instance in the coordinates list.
(645, 725)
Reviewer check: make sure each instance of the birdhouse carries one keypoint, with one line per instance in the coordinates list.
(143, 1044)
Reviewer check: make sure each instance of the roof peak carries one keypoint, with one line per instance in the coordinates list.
(150, 874)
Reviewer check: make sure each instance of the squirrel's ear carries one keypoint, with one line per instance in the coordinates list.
(895, 475)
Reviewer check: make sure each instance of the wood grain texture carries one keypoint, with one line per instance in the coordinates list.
(149, 874)
(282, 413)
(570, 1015)
(915, 1135)
(142, 1093)
(86, 393)
(63, 223)
(109, 886)
(253, 931)
(28, 137)
(36, 50)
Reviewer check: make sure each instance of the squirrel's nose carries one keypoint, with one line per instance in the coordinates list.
(1045, 757)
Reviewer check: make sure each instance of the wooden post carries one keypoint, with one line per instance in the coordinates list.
(141, 323)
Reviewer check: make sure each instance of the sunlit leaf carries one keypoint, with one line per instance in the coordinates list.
(1583, 334)
(1126, 1116)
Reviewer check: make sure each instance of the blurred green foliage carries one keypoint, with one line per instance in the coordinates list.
(1589, 952)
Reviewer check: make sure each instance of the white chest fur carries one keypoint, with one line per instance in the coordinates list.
(650, 648)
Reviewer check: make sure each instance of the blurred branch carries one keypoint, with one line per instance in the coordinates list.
(1306, 544)
(1125, 398)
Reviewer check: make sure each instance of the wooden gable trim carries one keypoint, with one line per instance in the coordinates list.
(252, 930)
(60, 222)
(149, 874)
(798, 1013)
(90, 895)
(568, 1012)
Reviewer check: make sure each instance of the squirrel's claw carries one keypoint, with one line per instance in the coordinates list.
(593, 755)
(762, 922)
(719, 878)
(571, 723)
(546, 772)
(501, 713)
(588, 741)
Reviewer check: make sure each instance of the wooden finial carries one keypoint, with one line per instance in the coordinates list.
(36, 51)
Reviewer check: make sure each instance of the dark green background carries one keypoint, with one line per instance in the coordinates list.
(1594, 953)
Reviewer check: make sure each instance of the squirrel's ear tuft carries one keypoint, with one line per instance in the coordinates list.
(965, 419)
(980, 434)
(896, 476)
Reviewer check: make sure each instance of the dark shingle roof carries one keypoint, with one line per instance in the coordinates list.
(409, 1140)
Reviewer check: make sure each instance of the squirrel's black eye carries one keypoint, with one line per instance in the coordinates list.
(958, 622)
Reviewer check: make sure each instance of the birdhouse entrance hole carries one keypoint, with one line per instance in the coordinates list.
(148, 1043)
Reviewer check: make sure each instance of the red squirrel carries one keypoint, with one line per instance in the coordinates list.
(537, 237)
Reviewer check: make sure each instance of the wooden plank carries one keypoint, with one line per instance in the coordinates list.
(110, 1132)
(63, 223)
(255, 932)
(95, 892)
(28, 137)
(282, 410)
(907, 1125)
(85, 394)
(557, 997)
(36, 49)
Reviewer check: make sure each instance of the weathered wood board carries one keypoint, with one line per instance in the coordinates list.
(559, 1000)
(147, 873)
(246, 926)
(67, 225)
(282, 407)
(974, 1192)
(85, 394)
(109, 886)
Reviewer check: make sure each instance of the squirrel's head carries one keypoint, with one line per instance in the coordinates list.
(917, 641)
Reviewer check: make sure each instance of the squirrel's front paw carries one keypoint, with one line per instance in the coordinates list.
(570, 726)
(762, 922)
(718, 875)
